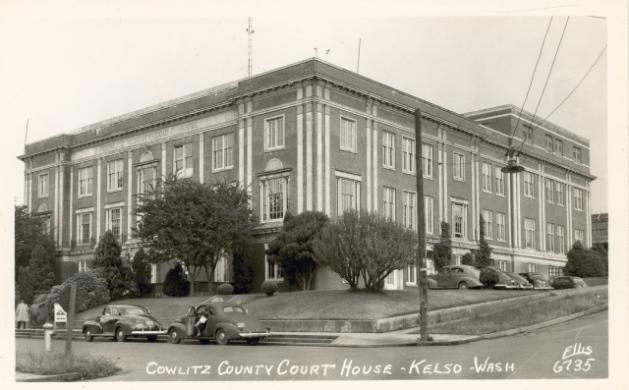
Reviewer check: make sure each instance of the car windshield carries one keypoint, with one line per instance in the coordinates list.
(132, 311)
(233, 309)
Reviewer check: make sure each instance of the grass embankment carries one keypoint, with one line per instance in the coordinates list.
(53, 363)
(504, 316)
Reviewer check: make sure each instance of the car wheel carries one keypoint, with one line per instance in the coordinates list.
(463, 286)
(151, 338)
(88, 335)
(204, 341)
(173, 336)
(221, 337)
(253, 341)
(120, 336)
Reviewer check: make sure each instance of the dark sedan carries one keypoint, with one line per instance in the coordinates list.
(120, 321)
(494, 277)
(561, 282)
(538, 280)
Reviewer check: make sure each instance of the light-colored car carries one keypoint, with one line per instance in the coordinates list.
(455, 276)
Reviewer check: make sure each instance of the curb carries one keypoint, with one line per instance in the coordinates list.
(65, 377)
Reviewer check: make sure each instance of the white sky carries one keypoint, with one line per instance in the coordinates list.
(68, 67)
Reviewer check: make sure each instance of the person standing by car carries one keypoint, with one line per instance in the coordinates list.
(202, 321)
(21, 314)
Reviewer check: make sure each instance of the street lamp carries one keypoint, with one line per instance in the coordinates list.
(512, 168)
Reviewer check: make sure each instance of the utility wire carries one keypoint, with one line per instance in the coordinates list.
(539, 56)
(550, 71)
(578, 84)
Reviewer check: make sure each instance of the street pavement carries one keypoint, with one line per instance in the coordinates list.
(574, 349)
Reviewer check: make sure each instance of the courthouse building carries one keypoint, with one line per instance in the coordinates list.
(313, 136)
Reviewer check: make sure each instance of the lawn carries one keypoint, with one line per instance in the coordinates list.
(54, 363)
(334, 304)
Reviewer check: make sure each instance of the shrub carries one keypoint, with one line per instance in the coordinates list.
(467, 259)
(38, 275)
(175, 283)
(91, 291)
(142, 272)
(242, 272)
(583, 262)
(489, 277)
(225, 289)
(269, 287)
(108, 263)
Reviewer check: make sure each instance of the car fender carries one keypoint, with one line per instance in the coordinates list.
(94, 326)
(471, 282)
(179, 326)
(432, 283)
(230, 329)
(125, 326)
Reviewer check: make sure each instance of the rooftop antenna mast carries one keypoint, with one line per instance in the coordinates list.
(358, 61)
(250, 32)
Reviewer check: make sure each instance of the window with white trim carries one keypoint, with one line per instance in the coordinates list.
(408, 155)
(459, 219)
(550, 237)
(458, 259)
(554, 271)
(550, 193)
(348, 135)
(499, 178)
(45, 226)
(86, 181)
(388, 203)
(84, 228)
(411, 275)
(115, 175)
(182, 160)
(221, 270)
(558, 147)
(429, 213)
(578, 198)
(427, 160)
(487, 223)
(458, 166)
(549, 143)
(112, 220)
(561, 239)
(388, 150)
(559, 193)
(274, 198)
(147, 179)
(42, 185)
(348, 195)
(504, 265)
(274, 133)
(529, 185)
(82, 264)
(577, 154)
(531, 267)
(500, 227)
(223, 152)
(529, 233)
(579, 235)
(486, 177)
(273, 270)
(409, 203)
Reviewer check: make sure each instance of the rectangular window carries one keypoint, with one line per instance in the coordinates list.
(578, 199)
(561, 240)
(86, 181)
(499, 178)
(223, 152)
(182, 160)
(147, 179)
(348, 135)
(408, 155)
(549, 144)
(112, 220)
(529, 233)
(274, 199)
(411, 275)
(577, 154)
(274, 133)
(273, 269)
(487, 223)
(348, 195)
(429, 214)
(458, 259)
(388, 203)
(115, 175)
(388, 150)
(220, 270)
(554, 271)
(459, 219)
(550, 237)
(500, 227)
(427, 161)
(559, 193)
(529, 186)
(45, 226)
(458, 166)
(578, 235)
(531, 267)
(409, 210)
(486, 177)
(550, 193)
(504, 265)
(42, 185)
(558, 147)
(84, 228)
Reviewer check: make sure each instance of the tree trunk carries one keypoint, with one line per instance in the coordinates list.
(209, 273)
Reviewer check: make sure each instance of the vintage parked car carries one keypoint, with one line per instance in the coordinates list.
(120, 321)
(523, 284)
(226, 321)
(496, 278)
(561, 282)
(455, 276)
(539, 281)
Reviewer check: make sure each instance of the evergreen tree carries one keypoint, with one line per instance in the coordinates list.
(583, 262)
(109, 265)
(442, 251)
(242, 272)
(483, 255)
(39, 274)
(142, 272)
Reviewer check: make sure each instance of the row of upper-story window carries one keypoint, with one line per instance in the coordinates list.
(555, 146)
(555, 191)
(555, 236)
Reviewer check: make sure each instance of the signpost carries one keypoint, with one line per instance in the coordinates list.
(60, 314)
(70, 319)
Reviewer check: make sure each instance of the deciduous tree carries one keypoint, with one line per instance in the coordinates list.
(583, 262)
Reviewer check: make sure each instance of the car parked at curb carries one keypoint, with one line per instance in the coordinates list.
(220, 321)
(561, 282)
(121, 321)
(493, 277)
(522, 283)
(538, 280)
(455, 276)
